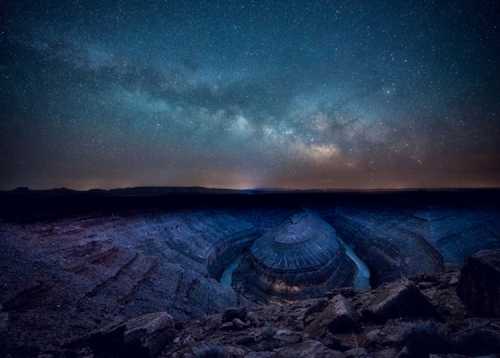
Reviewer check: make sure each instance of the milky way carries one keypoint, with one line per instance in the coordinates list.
(246, 94)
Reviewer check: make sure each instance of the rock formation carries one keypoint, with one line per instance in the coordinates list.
(458, 233)
(143, 336)
(61, 279)
(299, 258)
(390, 241)
(401, 299)
(479, 285)
(338, 316)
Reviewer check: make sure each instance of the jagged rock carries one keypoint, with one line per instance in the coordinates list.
(46, 355)
(453, 281)
(239, 324)
(422, 338)
(425, 285)
(253, 319)
(386, 353)
(143, 336)
(404, 353)
(228, 326)
(310, 313)
(336, 343)
(267, 332)
(287, 336)
(210, 323)
(479, 285)
(307, 349)
(260, 355)
(215, 351)
(373, 336)
(399, 299)
(231, 313)
(4, 321)
(356, 353)
(338, 317)
(246, 340)
(480, 340)
(347, 292)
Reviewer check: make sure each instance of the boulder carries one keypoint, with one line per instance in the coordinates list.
(4, 321)
(424, 337)
(287, 336)
(338, 317)
(479, 284)
(267, 332)
(373, 336)
(316, 307)
(215, 351)
(231, 313)
(400, 299)
(386, 353)
(235, 325)
(339, 343)
(480, 340)
(239, 324)
(356, 353)
(246, 339)
(260, 355)
(308, 349)
(404, 353)
(143, 336)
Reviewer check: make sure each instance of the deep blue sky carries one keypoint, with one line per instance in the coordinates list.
(303, 94)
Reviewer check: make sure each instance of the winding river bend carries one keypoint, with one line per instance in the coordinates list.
(361, 279)
(227, 276)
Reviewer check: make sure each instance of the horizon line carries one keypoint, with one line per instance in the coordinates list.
(257, 189)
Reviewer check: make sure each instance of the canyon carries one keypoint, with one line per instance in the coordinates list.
(72, 263)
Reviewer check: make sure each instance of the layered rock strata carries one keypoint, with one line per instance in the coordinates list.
(392, 242)
(61, 278)
(299, 258)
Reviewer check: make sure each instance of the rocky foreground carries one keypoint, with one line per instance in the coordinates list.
(450, 314)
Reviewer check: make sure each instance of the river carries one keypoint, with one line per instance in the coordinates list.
(361, 279)
(227, 276)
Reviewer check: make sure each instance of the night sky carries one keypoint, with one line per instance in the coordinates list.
(248, 94)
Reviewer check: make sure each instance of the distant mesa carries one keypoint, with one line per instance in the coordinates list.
(21, 189)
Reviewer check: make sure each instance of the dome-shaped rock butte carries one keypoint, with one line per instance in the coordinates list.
(300, 257)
